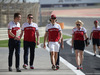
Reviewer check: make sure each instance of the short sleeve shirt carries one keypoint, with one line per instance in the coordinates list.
(15, 28)
(29, 31)
(53, 32)
(79, 33)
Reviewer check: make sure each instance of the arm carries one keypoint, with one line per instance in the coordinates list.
(60, 36)
(38, 39)
(72, 40)
(21, 34)
(45, 37)
(91, 35)
(11, 34)
(62, 44)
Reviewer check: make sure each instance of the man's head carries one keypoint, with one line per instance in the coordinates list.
(30, 17)
(53, 18)
(96, 22)
(17, 16)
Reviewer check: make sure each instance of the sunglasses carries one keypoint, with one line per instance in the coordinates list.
(30, 17)
(78, 24)
(53, 18)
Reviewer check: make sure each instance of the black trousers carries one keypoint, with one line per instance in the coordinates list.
(28, 45)
(14, 45)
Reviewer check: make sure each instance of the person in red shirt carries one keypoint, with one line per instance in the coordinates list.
(29, 28)
(54, 35)
(78, 42)
(14, 41)
(95, 35)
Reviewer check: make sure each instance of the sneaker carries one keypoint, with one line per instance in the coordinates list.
(25, 66)
(10, 69)
(57, 67)
(18, 70)
(31, 67)
(81, 67)
(54, 67)
(78, 67)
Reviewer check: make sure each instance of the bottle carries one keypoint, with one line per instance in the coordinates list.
(72, 50)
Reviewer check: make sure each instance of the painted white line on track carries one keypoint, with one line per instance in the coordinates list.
(72, 67)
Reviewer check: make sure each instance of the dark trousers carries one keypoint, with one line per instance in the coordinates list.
(28, 45)
(14, 44)
(57, 63)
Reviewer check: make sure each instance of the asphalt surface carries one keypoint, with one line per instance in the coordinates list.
(42, 64)
(91, 64)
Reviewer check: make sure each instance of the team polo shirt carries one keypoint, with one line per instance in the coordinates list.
(15, 28)
(79, 33)
(29, 31)
(53, 32)
(96, 32)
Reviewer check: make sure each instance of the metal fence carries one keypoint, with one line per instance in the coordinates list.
(9, 7)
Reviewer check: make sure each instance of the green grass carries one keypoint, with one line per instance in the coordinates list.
(4, 43)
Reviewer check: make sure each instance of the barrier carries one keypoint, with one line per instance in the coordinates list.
(61, 25)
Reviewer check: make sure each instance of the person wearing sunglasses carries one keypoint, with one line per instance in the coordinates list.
(29, 28)
(54, 35)
(78, 42)
(95, 35)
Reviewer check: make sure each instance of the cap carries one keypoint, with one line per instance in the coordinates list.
(95, 21)
(53, 16)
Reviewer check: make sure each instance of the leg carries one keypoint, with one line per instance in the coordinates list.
(11, 50)
(77, 57)
(81, 57)
(32, 52)
(57, 63)
(26, 46)
(52, 58)
(17, 53)
(94, 49)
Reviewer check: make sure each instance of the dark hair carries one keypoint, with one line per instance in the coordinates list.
(16, 15)
(29, 15)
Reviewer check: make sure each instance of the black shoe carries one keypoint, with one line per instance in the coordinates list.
(18, 70)
(94, 55)
(10, 69)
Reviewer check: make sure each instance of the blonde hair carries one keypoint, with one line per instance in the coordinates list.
(79, 22)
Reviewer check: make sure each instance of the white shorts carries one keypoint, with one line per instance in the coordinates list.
(54, 46)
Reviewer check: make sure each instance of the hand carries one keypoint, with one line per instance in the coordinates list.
(59, 41)
(17, 38)
(38, 42)
(44, 46)
(62, 46)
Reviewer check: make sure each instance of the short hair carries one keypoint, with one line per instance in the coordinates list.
(29, 15)
(16, 15)
(79, 21)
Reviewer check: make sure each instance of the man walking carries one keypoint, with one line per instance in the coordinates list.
(29, 28)
(14, 41)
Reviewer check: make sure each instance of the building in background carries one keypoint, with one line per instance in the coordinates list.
(67, 3)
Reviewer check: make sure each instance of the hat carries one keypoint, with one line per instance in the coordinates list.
(95, 21)
(53, 16)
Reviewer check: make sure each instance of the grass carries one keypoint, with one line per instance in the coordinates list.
(4, 43)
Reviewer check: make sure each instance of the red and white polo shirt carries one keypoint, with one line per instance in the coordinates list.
(29, 31)
(96, 32)
(53, 32)
(79, 33)
(15, 28)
